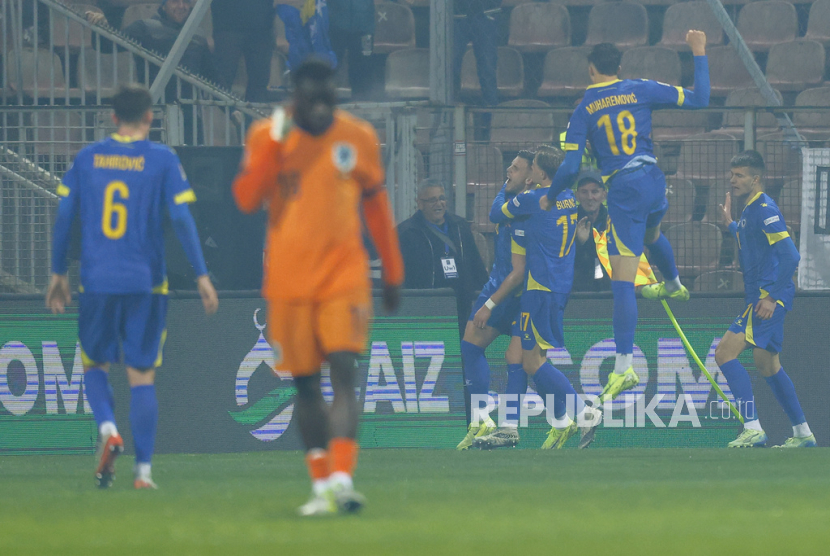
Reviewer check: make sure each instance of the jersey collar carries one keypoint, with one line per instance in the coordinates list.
(754, 198)
(605, 84)
(124, 138)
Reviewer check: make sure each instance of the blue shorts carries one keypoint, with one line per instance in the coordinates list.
(109, 324)
(503, 315)
(765, 334)
(636, 202)
(541, 318)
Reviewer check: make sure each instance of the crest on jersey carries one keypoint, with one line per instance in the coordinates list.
(344, 157)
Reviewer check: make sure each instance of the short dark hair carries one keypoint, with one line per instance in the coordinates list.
(749, 159)
(606, 58)
(549, 159)
(527, 155)
(131, 102)
(312, 69)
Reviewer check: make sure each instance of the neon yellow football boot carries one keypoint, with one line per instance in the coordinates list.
(475, 431)
(617, 383)
(749, 439)
(799, 442)
(558, 437)
(658, 291)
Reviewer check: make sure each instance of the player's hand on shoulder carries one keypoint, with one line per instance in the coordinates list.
(58, 296)
(726, 210)
(391, 298)
(697, 41)
(208, 293)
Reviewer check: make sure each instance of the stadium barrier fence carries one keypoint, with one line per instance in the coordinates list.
(217, 392)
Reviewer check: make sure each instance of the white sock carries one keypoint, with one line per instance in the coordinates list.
(754, 425)
(319, 486)
(143, 470)
(107, 428)
(339, 478)
(623, 362)
(802, 430)
(673, 285)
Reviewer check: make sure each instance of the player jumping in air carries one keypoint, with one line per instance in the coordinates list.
(120, 188)
(768, 260)
(314, 167)
(615, 116)
(495, 312)
(548, 281)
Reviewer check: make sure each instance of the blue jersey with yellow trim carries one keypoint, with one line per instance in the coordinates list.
(760, 227)
(510, 238)
(616, 118)
(120, 189)
(549, 238)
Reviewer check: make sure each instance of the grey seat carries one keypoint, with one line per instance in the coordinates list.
(538, 27)
(521, 129)
(407, 73)
(726, 71)
(733, 120)
(681, 17)
(651, 62)
(813, 125)
(719, 281)
(509, 73)
(623, 23)
(565, 72)
(767, 23)
(394, 27)
(796, 65)
(696, 247)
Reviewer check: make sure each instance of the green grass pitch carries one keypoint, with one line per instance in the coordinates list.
(427, 502)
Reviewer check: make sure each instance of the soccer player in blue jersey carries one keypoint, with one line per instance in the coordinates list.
(494, 313)
(548, 280)
(615, 116)
(768, 260)
(119, 189)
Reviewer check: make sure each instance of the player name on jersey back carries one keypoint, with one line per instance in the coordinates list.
(118, 162)
(613, 100)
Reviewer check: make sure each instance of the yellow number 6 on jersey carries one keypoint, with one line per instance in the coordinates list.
(115, 211)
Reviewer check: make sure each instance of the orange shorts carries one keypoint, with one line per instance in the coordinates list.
(303, 332)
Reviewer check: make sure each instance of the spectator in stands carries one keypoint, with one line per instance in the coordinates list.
(244, 29)
(589, 273)
(475, 21)
(439, 250)
(352, 31)
(158, 34)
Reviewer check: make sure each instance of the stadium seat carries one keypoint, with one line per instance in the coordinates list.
(115, 69)
(136, 12)
(726, 71)
(69, 34)
(681, 17)
(538, 27)
(48, 82)
(789, 201)
(764, 24)
(696, 247)
(509, 73)
(521, 129)
(719, 281)
(675, 125)
(818, 25)
(813, 125)
(394, 27)
(218, 130)
(622, 23)
(56, 137)
(796, 65)
(681, 197)
(565, 72)
(705, 157)
(651, 62)
(407, 73)
(782, 158)
(733, 120)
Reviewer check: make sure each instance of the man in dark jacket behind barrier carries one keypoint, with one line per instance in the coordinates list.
(439, 250)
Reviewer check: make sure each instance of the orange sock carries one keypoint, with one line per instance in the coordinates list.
(317, 461)
(343, 453)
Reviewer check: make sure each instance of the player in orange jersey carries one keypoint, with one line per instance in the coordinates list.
(314, 167)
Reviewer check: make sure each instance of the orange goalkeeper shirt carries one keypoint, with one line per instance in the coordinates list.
(313, 188)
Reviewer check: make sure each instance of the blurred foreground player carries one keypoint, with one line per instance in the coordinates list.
(768, 260)
(615, 116)
(120, 188)
(314, 167)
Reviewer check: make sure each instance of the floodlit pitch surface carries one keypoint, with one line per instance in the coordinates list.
(601, 501)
